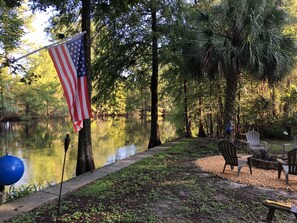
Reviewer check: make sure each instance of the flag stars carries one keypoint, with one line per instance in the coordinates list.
(76, 51)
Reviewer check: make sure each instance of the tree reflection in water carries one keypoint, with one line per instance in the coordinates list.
(40, 145)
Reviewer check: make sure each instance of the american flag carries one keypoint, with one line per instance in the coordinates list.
(69, 61)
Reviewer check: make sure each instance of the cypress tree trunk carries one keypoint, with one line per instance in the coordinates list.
(210, 125)
(85, 161)
(201, 132)
(155, 137)
(188, 132)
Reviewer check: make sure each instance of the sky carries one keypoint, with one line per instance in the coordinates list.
(33, 40)
(39, 36)
(36, 39)
(40, 23)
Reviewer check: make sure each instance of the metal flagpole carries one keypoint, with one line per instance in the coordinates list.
(66, 145)
(65, 40)
(48, 46)
(28, 54)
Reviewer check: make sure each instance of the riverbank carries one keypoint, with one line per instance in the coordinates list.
(10, 210)
(166, 187)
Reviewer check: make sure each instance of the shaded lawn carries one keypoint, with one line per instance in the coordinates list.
(168, 187)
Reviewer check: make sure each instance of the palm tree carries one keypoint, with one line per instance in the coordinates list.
(238, 37)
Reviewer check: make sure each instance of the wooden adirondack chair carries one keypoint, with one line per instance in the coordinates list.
(289, 166)
(254, 143)
(290, 145)
(229, 152)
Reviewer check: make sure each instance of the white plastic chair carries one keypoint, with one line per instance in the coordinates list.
(254, 143)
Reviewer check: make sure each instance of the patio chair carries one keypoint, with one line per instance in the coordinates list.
(254, 143)
(229, 152)
(289, 166)
(295, 142)
(276, 205)
(290, 145)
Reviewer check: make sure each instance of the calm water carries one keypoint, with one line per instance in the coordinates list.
(40, 145)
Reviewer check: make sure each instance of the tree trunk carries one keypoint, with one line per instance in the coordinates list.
(230, 103)
(188, 132)
(85, 161)
(220, 112)
(237, 129)
(273, 99)
(155, 137)
(201, 132)
(210, 125)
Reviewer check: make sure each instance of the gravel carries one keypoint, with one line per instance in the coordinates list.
(260, 177)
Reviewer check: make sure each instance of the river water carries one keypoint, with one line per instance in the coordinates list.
(40, 145)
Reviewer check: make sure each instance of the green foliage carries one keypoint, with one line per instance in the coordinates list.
(235, 38)
(123, 48)
(11, 26)
(273, 130)
(38, 93)
(178, 118)
(256, 34)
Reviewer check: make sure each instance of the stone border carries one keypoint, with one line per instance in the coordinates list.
(264, 164)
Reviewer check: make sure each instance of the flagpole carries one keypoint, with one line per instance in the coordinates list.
(28, 54)
(66, 145)
(65, 40)
(48, 46)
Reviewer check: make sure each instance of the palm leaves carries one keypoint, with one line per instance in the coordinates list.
(238, 37)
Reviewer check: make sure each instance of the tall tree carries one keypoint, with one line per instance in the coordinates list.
(85, 161)
(74, 13)
(131, 39)
(238, 37)
(177, 29)
(155, 136)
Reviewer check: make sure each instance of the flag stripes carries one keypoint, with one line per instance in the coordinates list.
(68, 59)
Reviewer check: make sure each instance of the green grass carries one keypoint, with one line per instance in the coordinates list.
(24, 190)
(167, 187)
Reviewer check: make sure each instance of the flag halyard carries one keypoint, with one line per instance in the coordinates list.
(69, 61)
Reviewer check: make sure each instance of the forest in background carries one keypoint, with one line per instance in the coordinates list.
(121, 67)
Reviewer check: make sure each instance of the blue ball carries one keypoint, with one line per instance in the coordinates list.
(11, 169)
(229, 130)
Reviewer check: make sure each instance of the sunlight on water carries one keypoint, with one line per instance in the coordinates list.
(40, 145)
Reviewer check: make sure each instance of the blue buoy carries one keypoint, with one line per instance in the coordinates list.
(11, 169)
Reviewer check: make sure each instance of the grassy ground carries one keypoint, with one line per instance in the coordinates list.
(168, 187)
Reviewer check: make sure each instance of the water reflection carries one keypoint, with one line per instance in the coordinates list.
(40, 145)
(122, 153)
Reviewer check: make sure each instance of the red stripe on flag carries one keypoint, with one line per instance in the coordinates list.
(75, 86)
(67, 78)
(82, 89)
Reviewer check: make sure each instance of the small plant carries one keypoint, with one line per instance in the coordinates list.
(24, 190)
